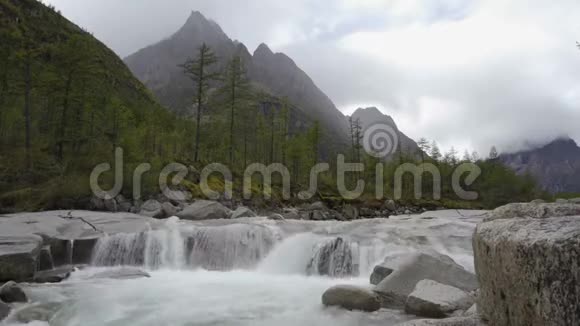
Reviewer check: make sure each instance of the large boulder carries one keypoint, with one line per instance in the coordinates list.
(11, 292)
(528, 265)
(19, 257)
(333, 258)
(351, 298)
(392, 262)
(204, 210)
(414, 267)
(124, 273)
(56, 275)
(435, 300)
(532, 210)
(152, 208)
(241, 212)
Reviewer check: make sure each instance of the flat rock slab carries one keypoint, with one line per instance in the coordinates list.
(18, 256)
(435, 300)
(455, 321)
(529, 270)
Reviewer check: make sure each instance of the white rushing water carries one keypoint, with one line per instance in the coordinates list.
(244, 272)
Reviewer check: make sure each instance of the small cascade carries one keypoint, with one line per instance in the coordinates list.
(234, 246)
(69, 251)
(335, 258)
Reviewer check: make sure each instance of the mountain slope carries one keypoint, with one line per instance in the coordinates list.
(372, 115)
(556, 166)
(157, 66)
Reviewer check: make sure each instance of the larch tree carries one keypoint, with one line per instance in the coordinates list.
(200, 72)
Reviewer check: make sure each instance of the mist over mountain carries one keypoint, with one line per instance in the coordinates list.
(157, 66)
(556, 166)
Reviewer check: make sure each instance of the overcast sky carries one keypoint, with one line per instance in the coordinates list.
(468, 73)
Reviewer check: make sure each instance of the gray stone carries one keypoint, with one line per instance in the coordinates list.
(204, 210)
(529, 269)
(123, 205)
(152, 208)
(351, 298)
(574, 200)
(333, 258)
(11, 292)
(111, 205)
(291, 214)
(538, 201)
(242, 212)
(316, 206)
(318, 215)
(454, 321)
(350, 212)
(471, 311)
(45, 259)
(529, 210)
(391, 205)
(4, 310)
(435, 300)
(562, 201)
(414, 267)
(53, 276)
(380, 272)
(276, 217)
(169, 209)
(97, 204)
(19, 257)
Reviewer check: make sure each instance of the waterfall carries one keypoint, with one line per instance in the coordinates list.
(235, 246)
(335, 258)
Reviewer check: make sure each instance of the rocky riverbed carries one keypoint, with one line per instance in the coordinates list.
(90, 268)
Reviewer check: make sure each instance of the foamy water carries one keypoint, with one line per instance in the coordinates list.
(258, 272)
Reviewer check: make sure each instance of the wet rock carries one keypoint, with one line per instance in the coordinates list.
(152, 208)
(390, 205)
(435, 300)
(276, 217)
(380, 272)
(97, 204)
(204, 210)
(124, 273)
(316, 206)
(19, 257)
(538, 201)
(529, 210)
(38, 312)
(333, 258)
(4, 311)
(111, 205)
(350, 212)
(169, 209)
(11, 292)
(45, 259)
(351, 298)
(241, 212)
(471, 311)
(54, 276)
(291, 214)
(528, 268)
(414, 267)
(123, 205)
(562, 201)
(454, 321)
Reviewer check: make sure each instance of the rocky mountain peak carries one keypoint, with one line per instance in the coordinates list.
(263, 51)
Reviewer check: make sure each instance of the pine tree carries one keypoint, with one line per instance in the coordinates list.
(199, 70)
(424, 147)
(435, 152)
(493, 153)
(450, 156)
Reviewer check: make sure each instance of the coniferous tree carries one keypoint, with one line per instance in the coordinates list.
(200, 72)
(435, 152)
(493, 154)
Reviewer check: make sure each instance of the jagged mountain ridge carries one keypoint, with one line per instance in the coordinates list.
(556, 166)
(371, 115)
(157, 66)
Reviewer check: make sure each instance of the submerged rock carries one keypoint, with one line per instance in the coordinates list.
(415, 267)
(19, 257)
(241, 212)
(37, 312)
(54, 276)
(124, 273)
(169, 209)
(528, 265)
(204, 210)
(333, 258)
(11, 292)
(435, 300)
(276, 217)
(351, 298)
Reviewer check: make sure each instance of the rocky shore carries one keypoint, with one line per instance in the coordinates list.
(526, 261)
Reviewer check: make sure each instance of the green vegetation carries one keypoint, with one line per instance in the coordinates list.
(67, 101)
